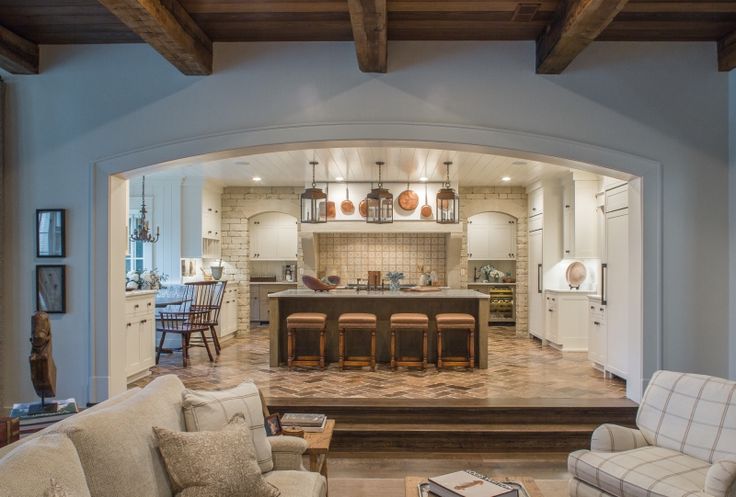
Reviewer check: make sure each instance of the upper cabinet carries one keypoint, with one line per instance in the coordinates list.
(579, 217)
(536, 202)
(273, 237)
(201, 220)
(491, 236)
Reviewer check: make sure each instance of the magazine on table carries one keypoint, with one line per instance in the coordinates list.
(468, 483)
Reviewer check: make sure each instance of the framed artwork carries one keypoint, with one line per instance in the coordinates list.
(51, 289)
(51, 233)
(273, 425)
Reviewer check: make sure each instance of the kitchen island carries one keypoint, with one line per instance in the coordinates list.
(382, 304)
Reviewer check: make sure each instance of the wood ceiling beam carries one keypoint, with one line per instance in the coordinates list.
(169, 29)
(17, 55)
(368, 19)
(575, 25)
(727, 52)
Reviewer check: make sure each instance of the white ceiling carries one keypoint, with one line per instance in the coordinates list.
(291, 168)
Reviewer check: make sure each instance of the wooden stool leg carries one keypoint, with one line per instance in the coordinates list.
(472, 348)
(341, 348)
(393, 349)
(322, 349)
(425, 353)
(439, 348)
(373, 349)
(290, 348)
(160, 346)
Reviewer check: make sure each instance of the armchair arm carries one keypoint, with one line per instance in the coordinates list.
(287, 452)
(615, 438)
(721, 479)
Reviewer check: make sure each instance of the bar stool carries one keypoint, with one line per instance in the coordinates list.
(357, 321)
(409, 321)
(456, 321)
(305, 321)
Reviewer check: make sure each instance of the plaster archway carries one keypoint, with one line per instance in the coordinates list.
(106, 307)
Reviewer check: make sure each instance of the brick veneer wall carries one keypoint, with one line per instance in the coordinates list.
(238, 205)
(513, 201)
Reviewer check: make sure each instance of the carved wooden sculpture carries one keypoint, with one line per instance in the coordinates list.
(43, 368)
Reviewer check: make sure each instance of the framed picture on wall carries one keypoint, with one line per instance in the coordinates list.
(51, 233)
(51, 289)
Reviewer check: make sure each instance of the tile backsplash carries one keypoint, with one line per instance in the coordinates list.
(352, 255)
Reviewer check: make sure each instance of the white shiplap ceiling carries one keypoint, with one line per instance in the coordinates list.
(402, 164)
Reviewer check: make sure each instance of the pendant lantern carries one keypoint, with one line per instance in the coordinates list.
(313, 202)
(448, 201)
(380, 203)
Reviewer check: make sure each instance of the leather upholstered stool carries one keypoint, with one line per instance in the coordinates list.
(409, 321)
(461, 322)
(349, 322)
(305, 321)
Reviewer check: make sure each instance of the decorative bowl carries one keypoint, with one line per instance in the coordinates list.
(316, 284)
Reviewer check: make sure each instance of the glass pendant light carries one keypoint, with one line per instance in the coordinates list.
(313, 208)
(380, 203)
(142, 232)
(448, 201)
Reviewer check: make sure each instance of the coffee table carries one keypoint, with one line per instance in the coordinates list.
(319, 447)
(411, 483)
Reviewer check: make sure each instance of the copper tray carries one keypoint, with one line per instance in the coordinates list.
(408, 200)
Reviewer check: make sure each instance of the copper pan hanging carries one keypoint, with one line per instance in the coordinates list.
(426, 210)
(408, 199)
(346, 206)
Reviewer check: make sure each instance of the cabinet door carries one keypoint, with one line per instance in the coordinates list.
(255, 308)
(147, 329)
(536, 310)
(502, 240)
(286, 243)
(263, 303)
(536, 202)
(568, 221)
(478, 240)
(132, 346)
(615, 292)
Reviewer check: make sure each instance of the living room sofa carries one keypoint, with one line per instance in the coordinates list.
(685, 444)
(110, 451)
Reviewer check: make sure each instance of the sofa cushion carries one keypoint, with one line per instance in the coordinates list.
(117, 446)
(214, 463)
(298, 483)
(643, 472)
(211, 411)
(689, 413)
(37, 467)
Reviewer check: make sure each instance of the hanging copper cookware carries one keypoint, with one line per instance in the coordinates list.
(408, 199)
(346, 206)
(363, 208)
(426, 210)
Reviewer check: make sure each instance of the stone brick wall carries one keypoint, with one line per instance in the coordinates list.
(512, 201)
(238, 205)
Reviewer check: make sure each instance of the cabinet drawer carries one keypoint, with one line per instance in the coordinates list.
(536, 223)
(138, 306)
(617, 198)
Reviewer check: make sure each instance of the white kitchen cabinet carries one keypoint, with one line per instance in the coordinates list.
(201, 229)
(535, 198)
(228, 326)
(536, 288)
(579, 206)
(597, 332)
(566, 323)
(273, 237)
(140, 331)
(259, 302)
(615, 281)
(491, 237)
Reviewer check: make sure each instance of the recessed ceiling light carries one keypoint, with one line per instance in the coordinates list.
(506, 179)
(339, 178)
(424, 179)
(257, 178)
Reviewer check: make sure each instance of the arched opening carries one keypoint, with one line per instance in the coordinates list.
(643, 176)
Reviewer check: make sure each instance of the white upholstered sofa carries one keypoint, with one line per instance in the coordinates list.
(685, 444)
(110, 451)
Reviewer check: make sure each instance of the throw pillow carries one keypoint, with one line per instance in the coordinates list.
(211, 411)
(213, 463)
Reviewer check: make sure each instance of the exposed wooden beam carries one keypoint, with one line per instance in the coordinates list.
(727, 52)
(575, 25)
(17, 55)
(368, 18)
(168, 28)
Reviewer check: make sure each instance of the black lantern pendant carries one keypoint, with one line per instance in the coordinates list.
(448, 202)
(313, 208)
(380, 203)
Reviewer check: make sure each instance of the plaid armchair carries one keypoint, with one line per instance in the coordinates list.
(685, 444)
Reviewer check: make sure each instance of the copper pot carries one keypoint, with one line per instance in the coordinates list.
(330, 210)
(408, 199)
(363, 208)
(426, 210)
(346, 206)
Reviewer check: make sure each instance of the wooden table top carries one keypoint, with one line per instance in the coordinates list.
(319, 443)
(411, 483)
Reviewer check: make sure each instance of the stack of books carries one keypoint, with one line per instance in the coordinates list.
(9, 431)
(307, 422)
(31, 423)
(469, 484)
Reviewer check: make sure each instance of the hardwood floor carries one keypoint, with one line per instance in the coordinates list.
(519, 368)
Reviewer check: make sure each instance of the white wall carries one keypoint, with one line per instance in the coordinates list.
(732, 221)
(662, 101)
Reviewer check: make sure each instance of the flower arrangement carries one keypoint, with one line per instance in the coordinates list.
(146, 279)
(394, 278)
(491, 273)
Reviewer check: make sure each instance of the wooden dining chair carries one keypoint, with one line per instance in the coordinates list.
(203, 298)
(218, 296)
(183, 323)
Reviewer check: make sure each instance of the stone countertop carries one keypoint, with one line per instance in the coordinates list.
(479, 283)
(140, 293)
(445, 293)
